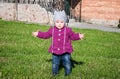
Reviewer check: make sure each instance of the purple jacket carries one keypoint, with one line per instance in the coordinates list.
(61, 39)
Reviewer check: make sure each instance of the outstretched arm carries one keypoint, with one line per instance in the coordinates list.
(44, 35)
(75, 36)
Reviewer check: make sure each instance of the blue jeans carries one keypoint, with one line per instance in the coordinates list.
(66, 62)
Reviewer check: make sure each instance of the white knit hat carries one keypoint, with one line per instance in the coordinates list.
(60, 15)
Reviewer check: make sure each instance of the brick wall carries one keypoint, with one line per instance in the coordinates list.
(101, 11)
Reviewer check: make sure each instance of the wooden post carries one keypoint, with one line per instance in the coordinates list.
(80, 10)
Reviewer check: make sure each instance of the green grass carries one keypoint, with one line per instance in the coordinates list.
(23, 56)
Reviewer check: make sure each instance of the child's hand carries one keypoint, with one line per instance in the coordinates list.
(81, 36)
(35, 34)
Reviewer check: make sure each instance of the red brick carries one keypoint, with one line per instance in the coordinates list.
(101, 9)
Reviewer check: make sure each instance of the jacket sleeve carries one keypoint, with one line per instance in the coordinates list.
(73, 35)
(45, 35)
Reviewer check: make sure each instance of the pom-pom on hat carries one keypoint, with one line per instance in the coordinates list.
(60, 15)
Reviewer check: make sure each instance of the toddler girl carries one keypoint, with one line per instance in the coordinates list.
(61, 47)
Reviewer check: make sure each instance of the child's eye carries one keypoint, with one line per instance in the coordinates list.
(62, 22)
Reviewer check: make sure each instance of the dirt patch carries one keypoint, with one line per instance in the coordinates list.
(3, 59)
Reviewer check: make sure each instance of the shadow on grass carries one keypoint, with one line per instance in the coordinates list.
(73, 62)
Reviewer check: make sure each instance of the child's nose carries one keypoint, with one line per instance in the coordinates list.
(59, 24)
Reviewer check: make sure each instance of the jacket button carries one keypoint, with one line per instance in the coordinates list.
(58, 48)
(59, 30)
(59, 34)
(58, 39)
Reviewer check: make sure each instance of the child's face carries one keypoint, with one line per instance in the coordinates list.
(59, 24)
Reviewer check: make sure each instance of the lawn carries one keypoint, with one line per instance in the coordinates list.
(23, 56)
